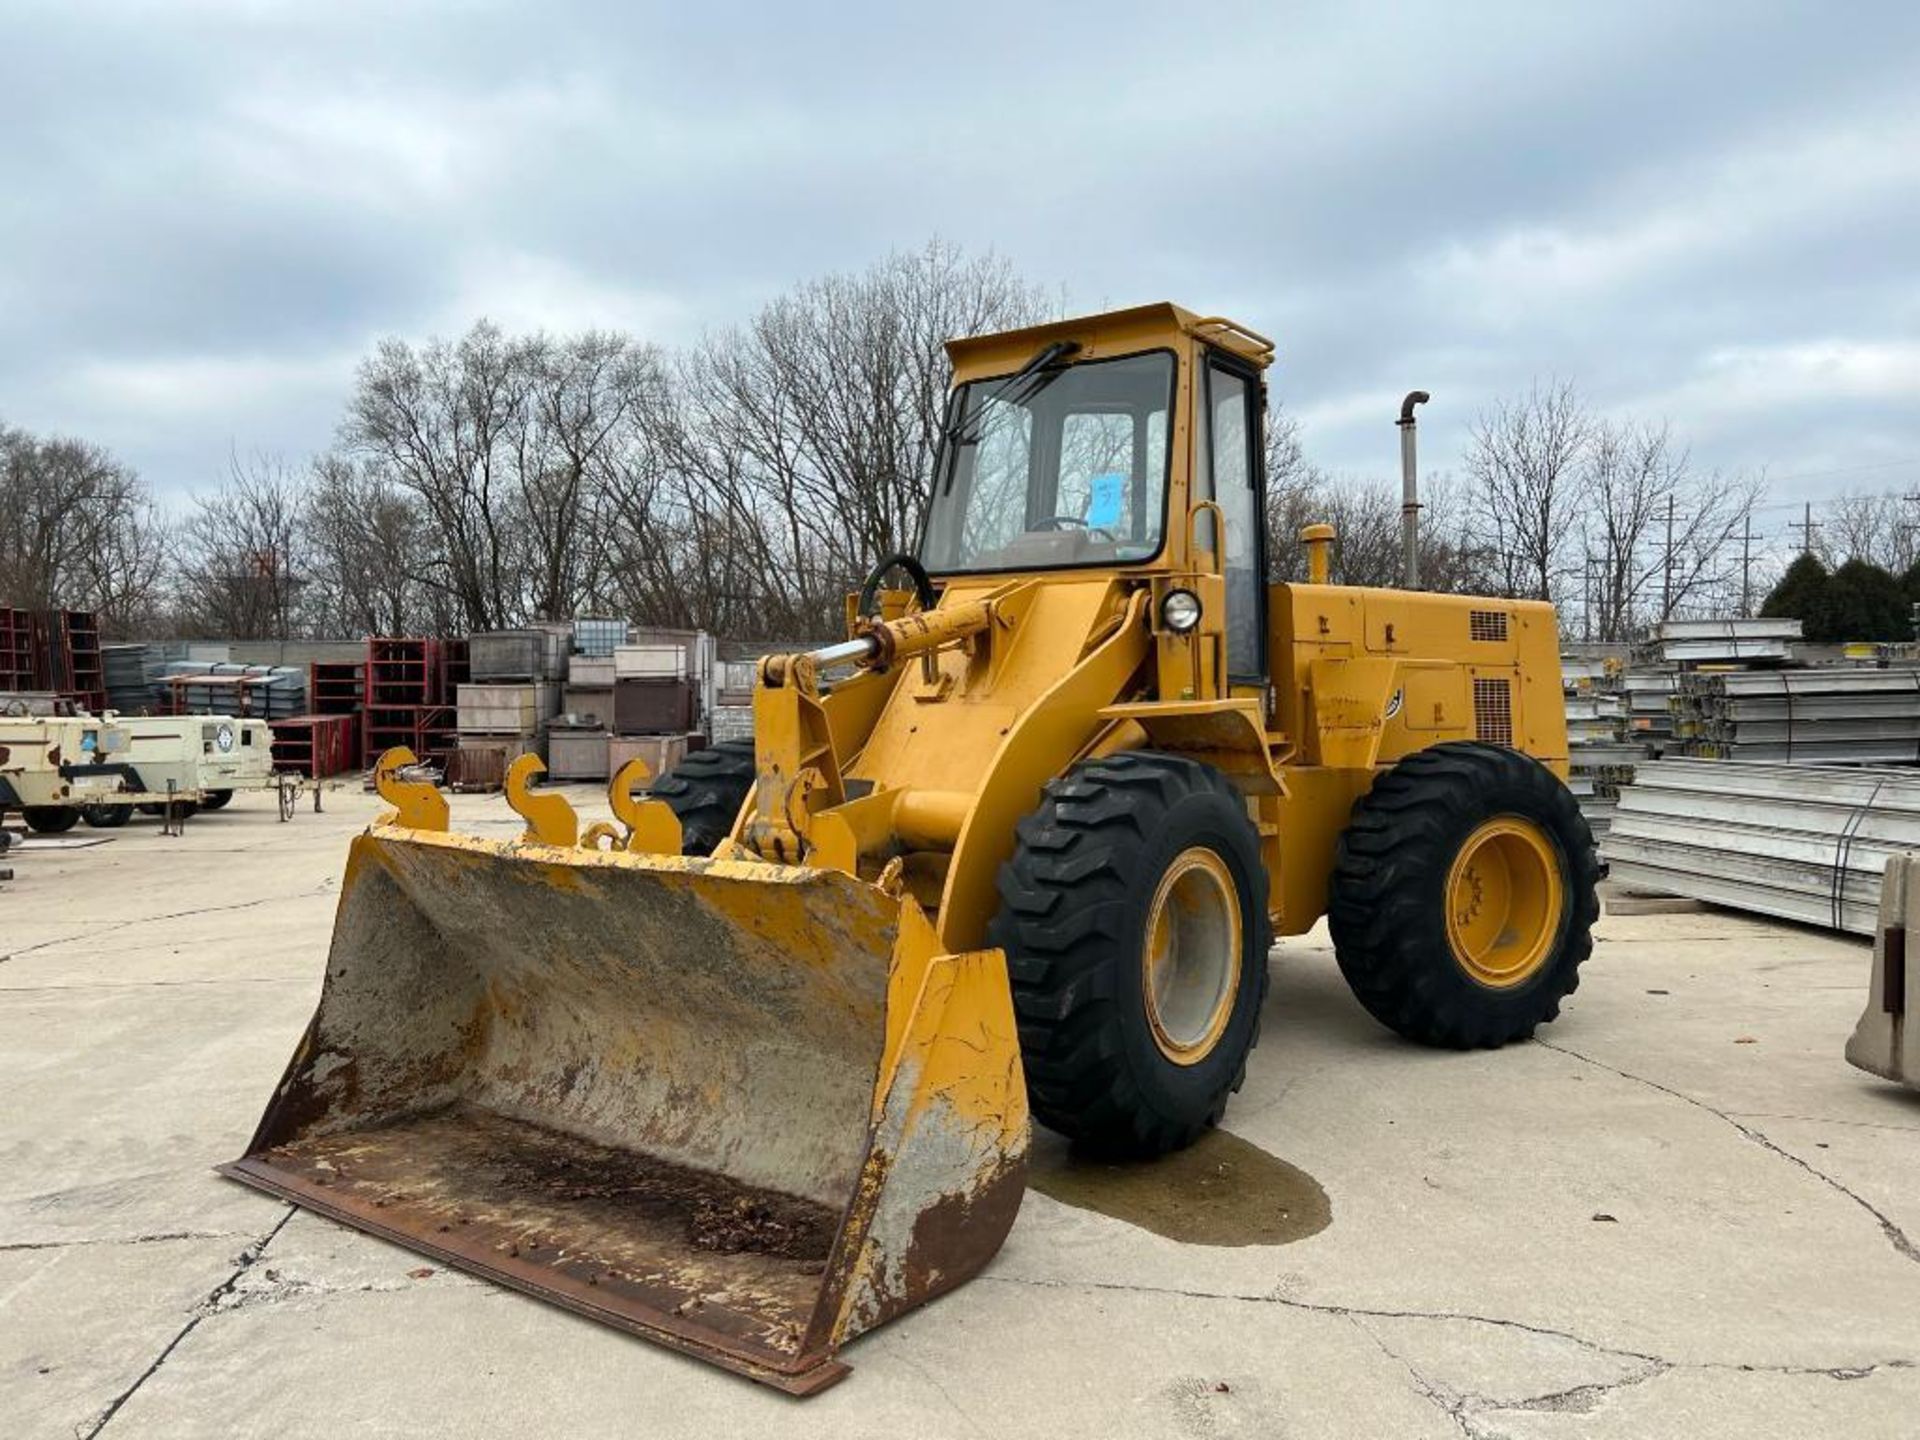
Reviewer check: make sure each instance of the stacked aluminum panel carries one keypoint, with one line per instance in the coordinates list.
(1828, 715)
(1707, 642)
(1802, 842)
(129, 684)
(265, 692)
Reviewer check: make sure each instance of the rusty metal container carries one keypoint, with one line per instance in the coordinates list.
(653, 707)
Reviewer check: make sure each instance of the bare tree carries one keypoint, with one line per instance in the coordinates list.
(1524, 459)
(1365, 515)
(1883, 530)
(813, 429)
(375, 566)
(78, 529)
(435, 422)
(1656, 533)
(242, 573)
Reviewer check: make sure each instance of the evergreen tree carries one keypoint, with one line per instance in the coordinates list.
(1804, 594)
(1864, 603)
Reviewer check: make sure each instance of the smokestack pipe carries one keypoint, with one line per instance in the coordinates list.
(1410, 492)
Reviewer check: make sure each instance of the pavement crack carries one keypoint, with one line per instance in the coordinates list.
(111, 926)
(154, 984)
(1449, 1402)
(1895, 1236)
(155, 1239)
(1580, 1399)
(244, 1262)
(1824, 1120)
(1649, 1366)
(1346, 1312)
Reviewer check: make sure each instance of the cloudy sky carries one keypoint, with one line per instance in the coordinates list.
(1703, 213)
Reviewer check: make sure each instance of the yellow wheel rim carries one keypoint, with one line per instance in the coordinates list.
(1505, 899)
(1191, 968)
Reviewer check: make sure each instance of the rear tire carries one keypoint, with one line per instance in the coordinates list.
(706, 790)
(215, 799)
(1463, 896)
(106, 817)
(1134, 920)
(50, 819)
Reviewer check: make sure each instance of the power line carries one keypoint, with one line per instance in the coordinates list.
(1849, 470)
(1858, 495)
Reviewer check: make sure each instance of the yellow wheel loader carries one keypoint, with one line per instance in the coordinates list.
(748, 1071)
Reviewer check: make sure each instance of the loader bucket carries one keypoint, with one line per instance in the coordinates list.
(747, 1111)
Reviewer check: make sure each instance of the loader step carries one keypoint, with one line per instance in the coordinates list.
(679, 1255)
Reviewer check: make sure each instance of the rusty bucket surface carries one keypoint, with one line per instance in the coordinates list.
(744, 1110)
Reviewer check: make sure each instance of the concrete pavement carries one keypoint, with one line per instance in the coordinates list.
(1679, 1213)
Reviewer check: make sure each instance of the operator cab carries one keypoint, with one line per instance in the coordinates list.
(1063, 450)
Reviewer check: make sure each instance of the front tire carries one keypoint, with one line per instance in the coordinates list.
(706, 790)
(1463, 896)
(1134, 920)
(50, 819)
(106, 817)
(215, 799)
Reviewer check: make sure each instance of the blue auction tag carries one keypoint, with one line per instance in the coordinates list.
(1103, 505)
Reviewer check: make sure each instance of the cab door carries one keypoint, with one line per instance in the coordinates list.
(1228, 470)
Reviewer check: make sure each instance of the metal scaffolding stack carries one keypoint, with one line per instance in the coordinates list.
(1801, 842)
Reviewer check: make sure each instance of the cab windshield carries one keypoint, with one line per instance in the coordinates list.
(1063, 467)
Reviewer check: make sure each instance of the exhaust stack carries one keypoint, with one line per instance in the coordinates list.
(1410, 492)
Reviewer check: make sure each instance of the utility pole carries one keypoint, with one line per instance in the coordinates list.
(1746, 563)
(1666, 584)
(1806, 527)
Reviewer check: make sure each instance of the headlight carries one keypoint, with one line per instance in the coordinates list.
(1180, 611)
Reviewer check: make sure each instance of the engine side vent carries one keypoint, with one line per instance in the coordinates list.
(1493, 711)
(1486, 624)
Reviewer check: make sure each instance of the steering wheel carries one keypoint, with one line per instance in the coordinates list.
(915, 571)
(1060, 522)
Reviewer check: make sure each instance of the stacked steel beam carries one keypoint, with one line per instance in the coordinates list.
(1801, 842)
(1833, 714)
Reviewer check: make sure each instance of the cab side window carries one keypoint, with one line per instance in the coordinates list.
(1228, 474)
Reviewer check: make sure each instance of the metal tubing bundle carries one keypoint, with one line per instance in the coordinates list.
(1801, 842)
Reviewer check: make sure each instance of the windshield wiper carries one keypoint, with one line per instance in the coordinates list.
(1029, 380)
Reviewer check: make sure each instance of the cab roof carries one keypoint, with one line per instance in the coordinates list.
(1109, 333)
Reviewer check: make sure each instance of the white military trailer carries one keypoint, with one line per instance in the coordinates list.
(57, 770)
